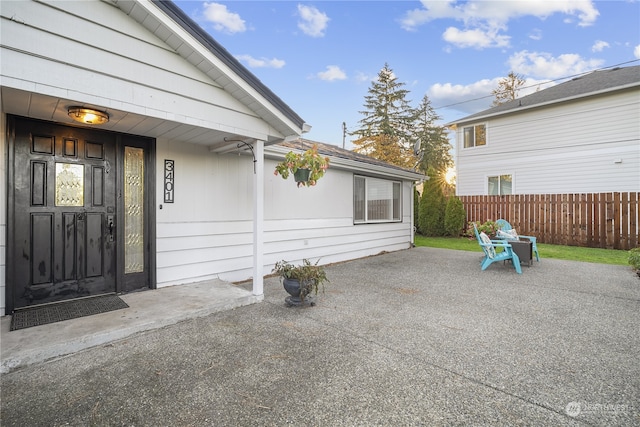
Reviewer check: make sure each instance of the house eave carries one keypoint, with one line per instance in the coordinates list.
(197, 45)
(339, 163)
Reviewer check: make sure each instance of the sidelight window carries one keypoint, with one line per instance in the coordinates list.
(133, 210)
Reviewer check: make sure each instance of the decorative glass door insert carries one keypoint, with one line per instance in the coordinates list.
(133, 210)
(69, 184)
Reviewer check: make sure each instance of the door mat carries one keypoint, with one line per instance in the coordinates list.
(65, 310)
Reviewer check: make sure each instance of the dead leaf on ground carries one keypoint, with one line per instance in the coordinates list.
(407, 291)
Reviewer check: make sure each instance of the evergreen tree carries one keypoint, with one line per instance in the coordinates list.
(432, 207)
(508, 88)
(433, 143)
(454, 217)
(385, 129)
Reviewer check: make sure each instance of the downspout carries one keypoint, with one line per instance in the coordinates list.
(413, 203)
(413, 225)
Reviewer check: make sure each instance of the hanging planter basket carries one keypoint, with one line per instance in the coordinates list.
(307, 167)
(302, 175)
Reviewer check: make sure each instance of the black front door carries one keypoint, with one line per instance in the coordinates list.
(64, 238)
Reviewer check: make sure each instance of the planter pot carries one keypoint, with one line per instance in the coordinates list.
(302, 175)
(292, 286)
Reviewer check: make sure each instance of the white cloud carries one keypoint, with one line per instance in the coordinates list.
(261, 62)
(363, 78)
(535, 34)
(332, 73)
(497, 12)
(476, 96)
(636, 51)
(484, 20)
(538, 67)
(599, 46)
(544, 65)
(223, 20)
(312, 22)
(476, 38)
(469, 98)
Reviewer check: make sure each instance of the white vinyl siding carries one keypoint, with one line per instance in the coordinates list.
(208, 232)
(570, 148)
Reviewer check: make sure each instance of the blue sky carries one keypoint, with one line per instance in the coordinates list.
(320, 57)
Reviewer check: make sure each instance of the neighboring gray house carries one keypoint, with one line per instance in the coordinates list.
(581, 136)
(165, 191)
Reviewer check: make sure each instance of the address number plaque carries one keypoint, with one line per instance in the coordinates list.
(169, 176)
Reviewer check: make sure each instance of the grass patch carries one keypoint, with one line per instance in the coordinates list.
(569, 253)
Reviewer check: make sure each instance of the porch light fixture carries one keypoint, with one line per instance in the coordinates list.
(88, 116)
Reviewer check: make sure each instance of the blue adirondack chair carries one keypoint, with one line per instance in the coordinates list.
(491, 255)
(504, 225)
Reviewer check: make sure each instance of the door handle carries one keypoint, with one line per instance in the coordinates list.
(110, 226)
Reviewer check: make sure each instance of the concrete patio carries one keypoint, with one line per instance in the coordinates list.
(417, 337)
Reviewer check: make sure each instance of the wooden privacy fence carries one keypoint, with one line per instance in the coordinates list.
(597, 220)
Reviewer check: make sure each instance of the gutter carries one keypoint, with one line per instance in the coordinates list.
(278, 153)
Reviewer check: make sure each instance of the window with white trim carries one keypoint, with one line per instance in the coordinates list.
(376, 200)
(474, 136)
(499, 185)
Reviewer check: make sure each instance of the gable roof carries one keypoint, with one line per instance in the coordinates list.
(197, 47)
(217, 49)
(346, 159)
(594, 83)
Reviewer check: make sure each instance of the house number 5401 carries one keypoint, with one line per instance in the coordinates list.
(169, 176)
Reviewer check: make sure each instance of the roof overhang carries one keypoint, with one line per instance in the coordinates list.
(278, 152)
(165, 20)
(171, 25)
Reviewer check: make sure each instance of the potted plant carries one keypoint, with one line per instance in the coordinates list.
(301, 280)
(307, 167)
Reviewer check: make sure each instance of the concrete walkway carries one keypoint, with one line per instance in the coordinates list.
(416, 337)
(147, 310)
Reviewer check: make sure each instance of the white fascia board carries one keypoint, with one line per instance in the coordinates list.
(278, 152)
(238, 82)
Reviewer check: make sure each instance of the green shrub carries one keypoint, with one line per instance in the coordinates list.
(454, 217)
(432, 206)
(634, 258)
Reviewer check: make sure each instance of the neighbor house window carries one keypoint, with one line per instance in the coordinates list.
(500, 185)
(475, 136)
(376, 200)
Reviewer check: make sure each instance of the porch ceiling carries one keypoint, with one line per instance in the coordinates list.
(44, 107)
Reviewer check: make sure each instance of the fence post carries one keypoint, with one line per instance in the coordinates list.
(589, 219)
(608, 223)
